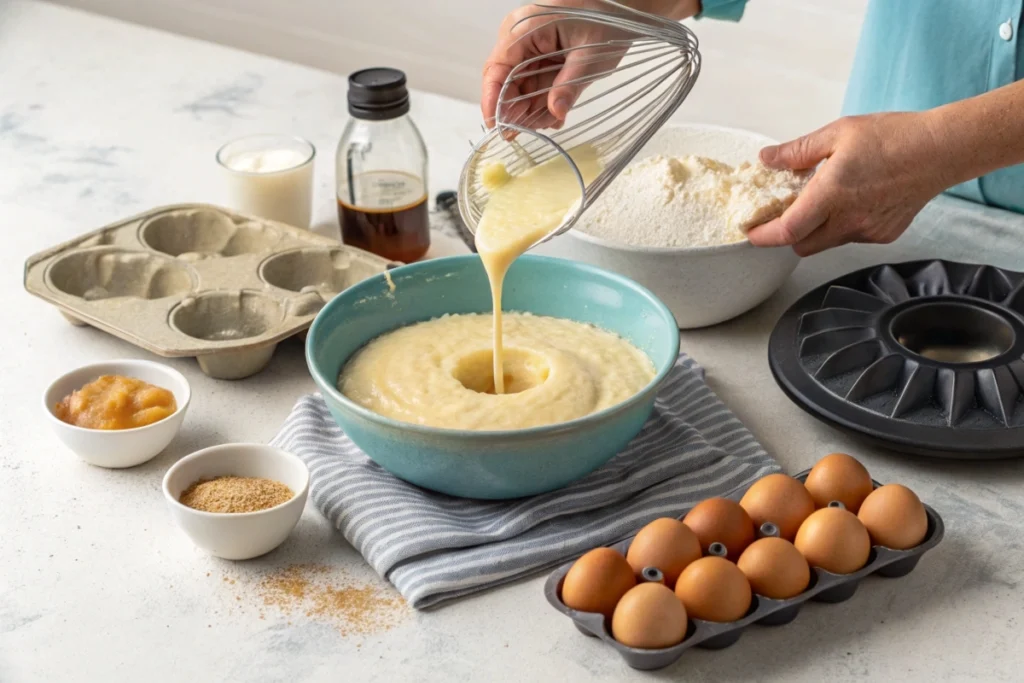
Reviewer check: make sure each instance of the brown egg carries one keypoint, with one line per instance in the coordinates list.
(597, 581)
(714, 589)
(775, 568)
(649, 616)
(779, 499)
(895, 517)
(667, 544)
(724, 521)
(835, 540)
(839, 477)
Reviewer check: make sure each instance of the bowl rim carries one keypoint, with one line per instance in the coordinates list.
(576, 233)
(489, 435)
(743, 244)
(122, 362)
(264, 450)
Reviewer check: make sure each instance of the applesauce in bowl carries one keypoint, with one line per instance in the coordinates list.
(116, 402)
(127, 446)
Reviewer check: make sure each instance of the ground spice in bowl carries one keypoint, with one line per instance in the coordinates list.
(235, 494)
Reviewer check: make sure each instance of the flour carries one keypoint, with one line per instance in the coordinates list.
(688, 202)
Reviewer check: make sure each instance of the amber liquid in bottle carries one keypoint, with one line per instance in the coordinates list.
(401, 234)
(391, 218)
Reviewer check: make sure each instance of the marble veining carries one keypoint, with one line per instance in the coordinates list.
(12, 130)
(229, 100)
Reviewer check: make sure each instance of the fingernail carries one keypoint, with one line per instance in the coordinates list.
(562, 107)
(769, 154)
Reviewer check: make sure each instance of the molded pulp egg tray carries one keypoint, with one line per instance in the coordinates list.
(859, 353)
(824, 587)
(198, 280)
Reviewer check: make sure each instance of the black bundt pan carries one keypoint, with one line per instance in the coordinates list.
(849, 353)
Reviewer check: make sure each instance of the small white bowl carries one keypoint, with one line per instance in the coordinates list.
(242, 535)
(116, 448)
(701, 285)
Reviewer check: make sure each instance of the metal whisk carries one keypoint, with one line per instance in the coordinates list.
(635, 77)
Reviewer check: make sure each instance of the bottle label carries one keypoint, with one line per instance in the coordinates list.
(382, 191)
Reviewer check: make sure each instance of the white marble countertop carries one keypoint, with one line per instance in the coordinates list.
(100, 120)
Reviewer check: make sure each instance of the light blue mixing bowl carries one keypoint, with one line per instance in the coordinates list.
(494, 464)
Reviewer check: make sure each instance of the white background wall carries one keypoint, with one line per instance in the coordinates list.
(780, 71)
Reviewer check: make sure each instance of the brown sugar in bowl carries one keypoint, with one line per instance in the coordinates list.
(238, 535)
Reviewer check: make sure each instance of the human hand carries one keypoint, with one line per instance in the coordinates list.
(879, 172)
(524, 35)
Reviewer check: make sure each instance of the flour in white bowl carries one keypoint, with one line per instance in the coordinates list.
(689, 202)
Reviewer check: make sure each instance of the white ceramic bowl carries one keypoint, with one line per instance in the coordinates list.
(117, 448)
(702, 285)
(243, 535)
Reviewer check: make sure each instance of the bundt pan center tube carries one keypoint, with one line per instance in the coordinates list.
(925, 357)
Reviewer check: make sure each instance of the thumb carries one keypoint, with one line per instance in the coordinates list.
(800, 154)
(582, 67)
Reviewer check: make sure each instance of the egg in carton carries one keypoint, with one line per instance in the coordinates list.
(199, 280)
(822, 586)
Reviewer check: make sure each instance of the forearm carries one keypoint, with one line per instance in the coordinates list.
(978, 135)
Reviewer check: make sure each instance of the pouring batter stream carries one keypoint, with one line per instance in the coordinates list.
(522, 210)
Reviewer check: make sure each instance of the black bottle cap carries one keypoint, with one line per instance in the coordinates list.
(377, 94)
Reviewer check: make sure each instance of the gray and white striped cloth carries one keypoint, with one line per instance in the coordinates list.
(434, 547)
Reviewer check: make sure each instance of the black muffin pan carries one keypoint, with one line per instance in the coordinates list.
(923, 357)
(825, 587)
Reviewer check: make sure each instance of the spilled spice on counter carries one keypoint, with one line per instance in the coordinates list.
(235, 494)
(333, 596)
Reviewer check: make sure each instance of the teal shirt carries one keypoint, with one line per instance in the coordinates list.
(918, 54)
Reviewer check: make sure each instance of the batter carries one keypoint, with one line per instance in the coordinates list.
(520, 211)
(439, 372)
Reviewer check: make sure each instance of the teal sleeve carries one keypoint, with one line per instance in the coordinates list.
(729, 10)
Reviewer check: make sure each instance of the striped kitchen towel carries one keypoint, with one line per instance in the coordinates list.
(434, 547)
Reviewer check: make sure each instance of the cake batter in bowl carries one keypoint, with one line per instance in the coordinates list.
(491, 463)
(440, 372)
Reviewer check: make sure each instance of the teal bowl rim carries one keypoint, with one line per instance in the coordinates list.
(371, 286)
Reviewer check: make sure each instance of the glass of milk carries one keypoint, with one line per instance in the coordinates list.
(270, 176)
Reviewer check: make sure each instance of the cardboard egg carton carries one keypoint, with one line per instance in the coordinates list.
(198, 280)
